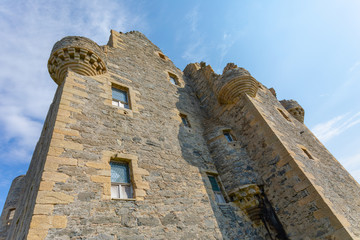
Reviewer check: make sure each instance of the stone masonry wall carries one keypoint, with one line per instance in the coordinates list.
(25, 207)
(168, 161)
(67, 188)
(309, 190)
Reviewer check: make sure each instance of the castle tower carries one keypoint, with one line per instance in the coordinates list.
(134, 148)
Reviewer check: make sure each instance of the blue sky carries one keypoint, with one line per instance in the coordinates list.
(308, 51)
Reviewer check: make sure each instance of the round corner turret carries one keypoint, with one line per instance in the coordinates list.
(234, 82)
(80, 54)
(294, 108)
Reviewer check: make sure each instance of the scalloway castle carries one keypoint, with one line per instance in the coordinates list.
(134, 148)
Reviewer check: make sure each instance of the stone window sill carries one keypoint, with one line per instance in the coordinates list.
(123, 199)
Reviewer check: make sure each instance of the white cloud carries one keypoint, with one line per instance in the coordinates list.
(353, 67)
(29, 29)
(327, 130)
(193, 17)
(227, 42)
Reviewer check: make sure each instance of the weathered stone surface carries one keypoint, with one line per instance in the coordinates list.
(67, 192)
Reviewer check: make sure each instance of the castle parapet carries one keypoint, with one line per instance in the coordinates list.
(80, 54)
(234, 82)
(294, 108)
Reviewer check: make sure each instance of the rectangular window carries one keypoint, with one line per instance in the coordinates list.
(120, 180)
(185, 120)
(120, 97)
(307, 153)
(229, 137)
(284, 115)
(216, 189)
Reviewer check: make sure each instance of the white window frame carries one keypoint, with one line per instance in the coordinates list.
(118, 190)
(119, 103)
(121, 190)
(219, 196)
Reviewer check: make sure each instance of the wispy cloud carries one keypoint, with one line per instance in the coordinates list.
(195, 50)
(352, 164)
(225, 45)
(28, 31)
(327, 130)
(353, 67)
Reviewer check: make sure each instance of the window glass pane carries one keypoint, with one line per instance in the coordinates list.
(115, 191)
(185, 121)
(219, 197)
(126, 191)
(120, 172)
(214, 184)
(120, 95)
(228, 137)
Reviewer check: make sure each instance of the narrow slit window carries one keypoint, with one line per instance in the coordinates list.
(162, 56)
(185, 120)
(307, 153)
(219, 198)
(121, 187)
(284, 115)
(229, 137)
(120, 97)
(10, 216)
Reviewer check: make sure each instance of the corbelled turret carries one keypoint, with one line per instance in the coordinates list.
(294, 108)
(234, 82)
(80, 54)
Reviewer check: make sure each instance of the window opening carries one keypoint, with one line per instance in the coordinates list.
(162, 56)
(185, 120)
(173, 79)
(120, 180)
(216, 189)
(120, 98)
(284, 115)
(10, 215)
(307, 153)
(229, 137)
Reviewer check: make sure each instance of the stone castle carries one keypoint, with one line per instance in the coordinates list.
(134, 148)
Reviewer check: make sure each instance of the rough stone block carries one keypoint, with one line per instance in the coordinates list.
(45, 197)
(100, 179)
(54, 176)
(46, 186)
(43, 209)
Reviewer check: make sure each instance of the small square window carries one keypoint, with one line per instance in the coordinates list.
(121, 187)
(229, 137)
(174, 79)
(185, 120)
(120, 97)
(216, 189)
